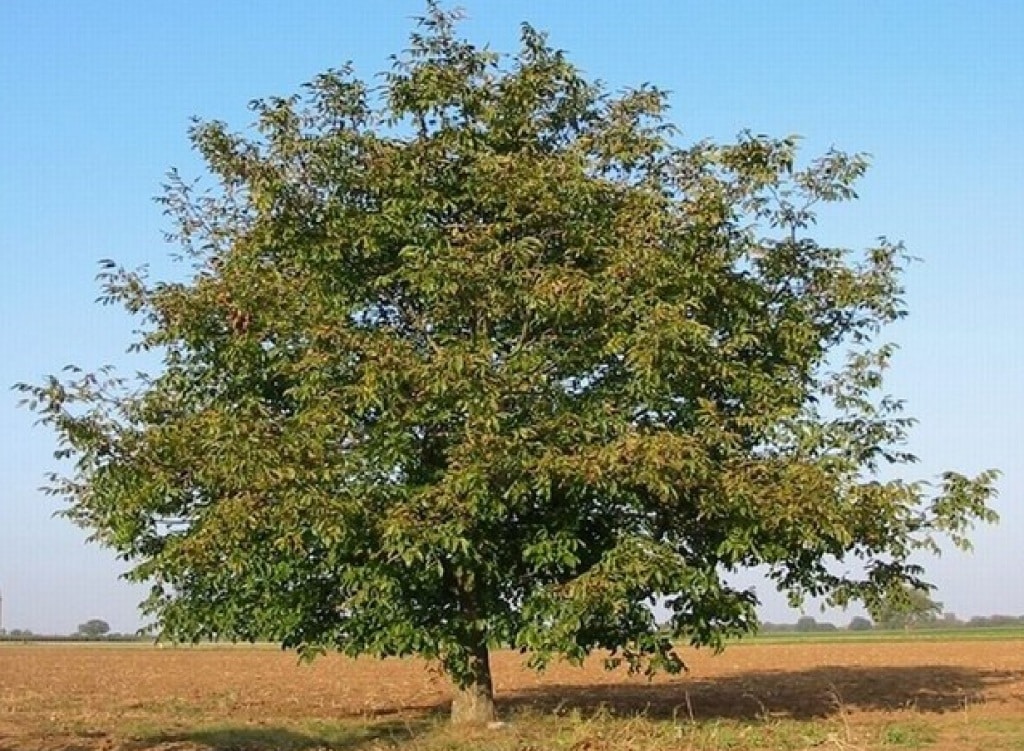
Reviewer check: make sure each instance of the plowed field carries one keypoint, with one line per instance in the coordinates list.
(138, 697)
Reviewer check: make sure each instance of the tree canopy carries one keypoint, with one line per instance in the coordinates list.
(906, 607)
(483, 356)
(93, 628)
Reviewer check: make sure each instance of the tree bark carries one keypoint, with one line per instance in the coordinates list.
(474, 699)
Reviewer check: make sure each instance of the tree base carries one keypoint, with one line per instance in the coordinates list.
(474, 700)
(473, 705)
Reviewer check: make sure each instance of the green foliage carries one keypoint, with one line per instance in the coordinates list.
(482, 356)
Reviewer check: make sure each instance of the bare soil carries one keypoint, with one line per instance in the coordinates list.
(93, 698)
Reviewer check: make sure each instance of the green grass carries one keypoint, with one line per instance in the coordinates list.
(603, 730)
(909, 734)
(990, 734)
(524, 731)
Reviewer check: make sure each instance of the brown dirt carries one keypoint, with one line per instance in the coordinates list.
(105, 697)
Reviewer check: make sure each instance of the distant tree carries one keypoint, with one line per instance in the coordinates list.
(20, 633)
(860, 623)
(1003, 620)
(93, 628)
(806, 624)
(905, 607)
(482, 356)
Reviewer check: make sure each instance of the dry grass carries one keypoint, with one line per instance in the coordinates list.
(943, 695)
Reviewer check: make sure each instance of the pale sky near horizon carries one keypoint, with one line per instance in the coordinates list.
(95, 100)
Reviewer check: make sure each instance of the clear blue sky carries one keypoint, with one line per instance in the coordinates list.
(95, 99)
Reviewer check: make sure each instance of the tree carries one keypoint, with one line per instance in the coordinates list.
(860, 623)
(483, 357)
(906, 607)
(806, 624)
(93, 628)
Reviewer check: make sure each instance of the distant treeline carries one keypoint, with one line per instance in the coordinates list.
(808, 624)
(22, 635)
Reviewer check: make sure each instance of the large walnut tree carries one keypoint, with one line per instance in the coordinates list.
(483, 357)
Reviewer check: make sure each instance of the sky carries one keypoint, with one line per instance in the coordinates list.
(96, 98)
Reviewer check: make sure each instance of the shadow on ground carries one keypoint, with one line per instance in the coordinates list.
(803, 694)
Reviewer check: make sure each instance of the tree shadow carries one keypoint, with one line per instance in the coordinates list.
(804, 694)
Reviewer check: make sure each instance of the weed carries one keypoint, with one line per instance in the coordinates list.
(909, 734)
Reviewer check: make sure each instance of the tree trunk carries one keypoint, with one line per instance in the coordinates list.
(474, 699)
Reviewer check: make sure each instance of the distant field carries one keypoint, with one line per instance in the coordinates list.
(994, 633)
(839, 693)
